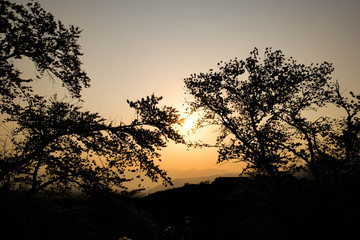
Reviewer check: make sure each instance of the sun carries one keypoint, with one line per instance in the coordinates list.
(189, 123)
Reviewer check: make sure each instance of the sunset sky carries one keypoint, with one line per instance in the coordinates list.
(135, 48)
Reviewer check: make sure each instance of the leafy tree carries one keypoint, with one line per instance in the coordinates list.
(260, 108)
(56, 145)
(31, 32)
(342, 142)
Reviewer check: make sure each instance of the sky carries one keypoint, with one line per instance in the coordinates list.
(134, 48)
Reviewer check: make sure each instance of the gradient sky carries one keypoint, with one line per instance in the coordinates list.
(135, 48)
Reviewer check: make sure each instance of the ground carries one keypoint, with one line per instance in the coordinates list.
(233, 208)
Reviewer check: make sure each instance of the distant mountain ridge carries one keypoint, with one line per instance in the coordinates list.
(193, 173)
(180, 182)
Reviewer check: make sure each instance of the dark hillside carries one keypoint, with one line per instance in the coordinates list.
(228, 208)
(240, 208)
(58, 218)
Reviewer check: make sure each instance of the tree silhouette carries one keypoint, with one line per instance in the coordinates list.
(343, 140)
(56, 145)
(263, 109)
(31, 32)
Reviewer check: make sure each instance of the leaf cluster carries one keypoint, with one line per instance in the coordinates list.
(58, 144)
(263, 106)
(30, 31)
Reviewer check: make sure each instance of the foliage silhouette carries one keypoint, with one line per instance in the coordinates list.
(263, 111)
(33, 33)
(55, 145)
